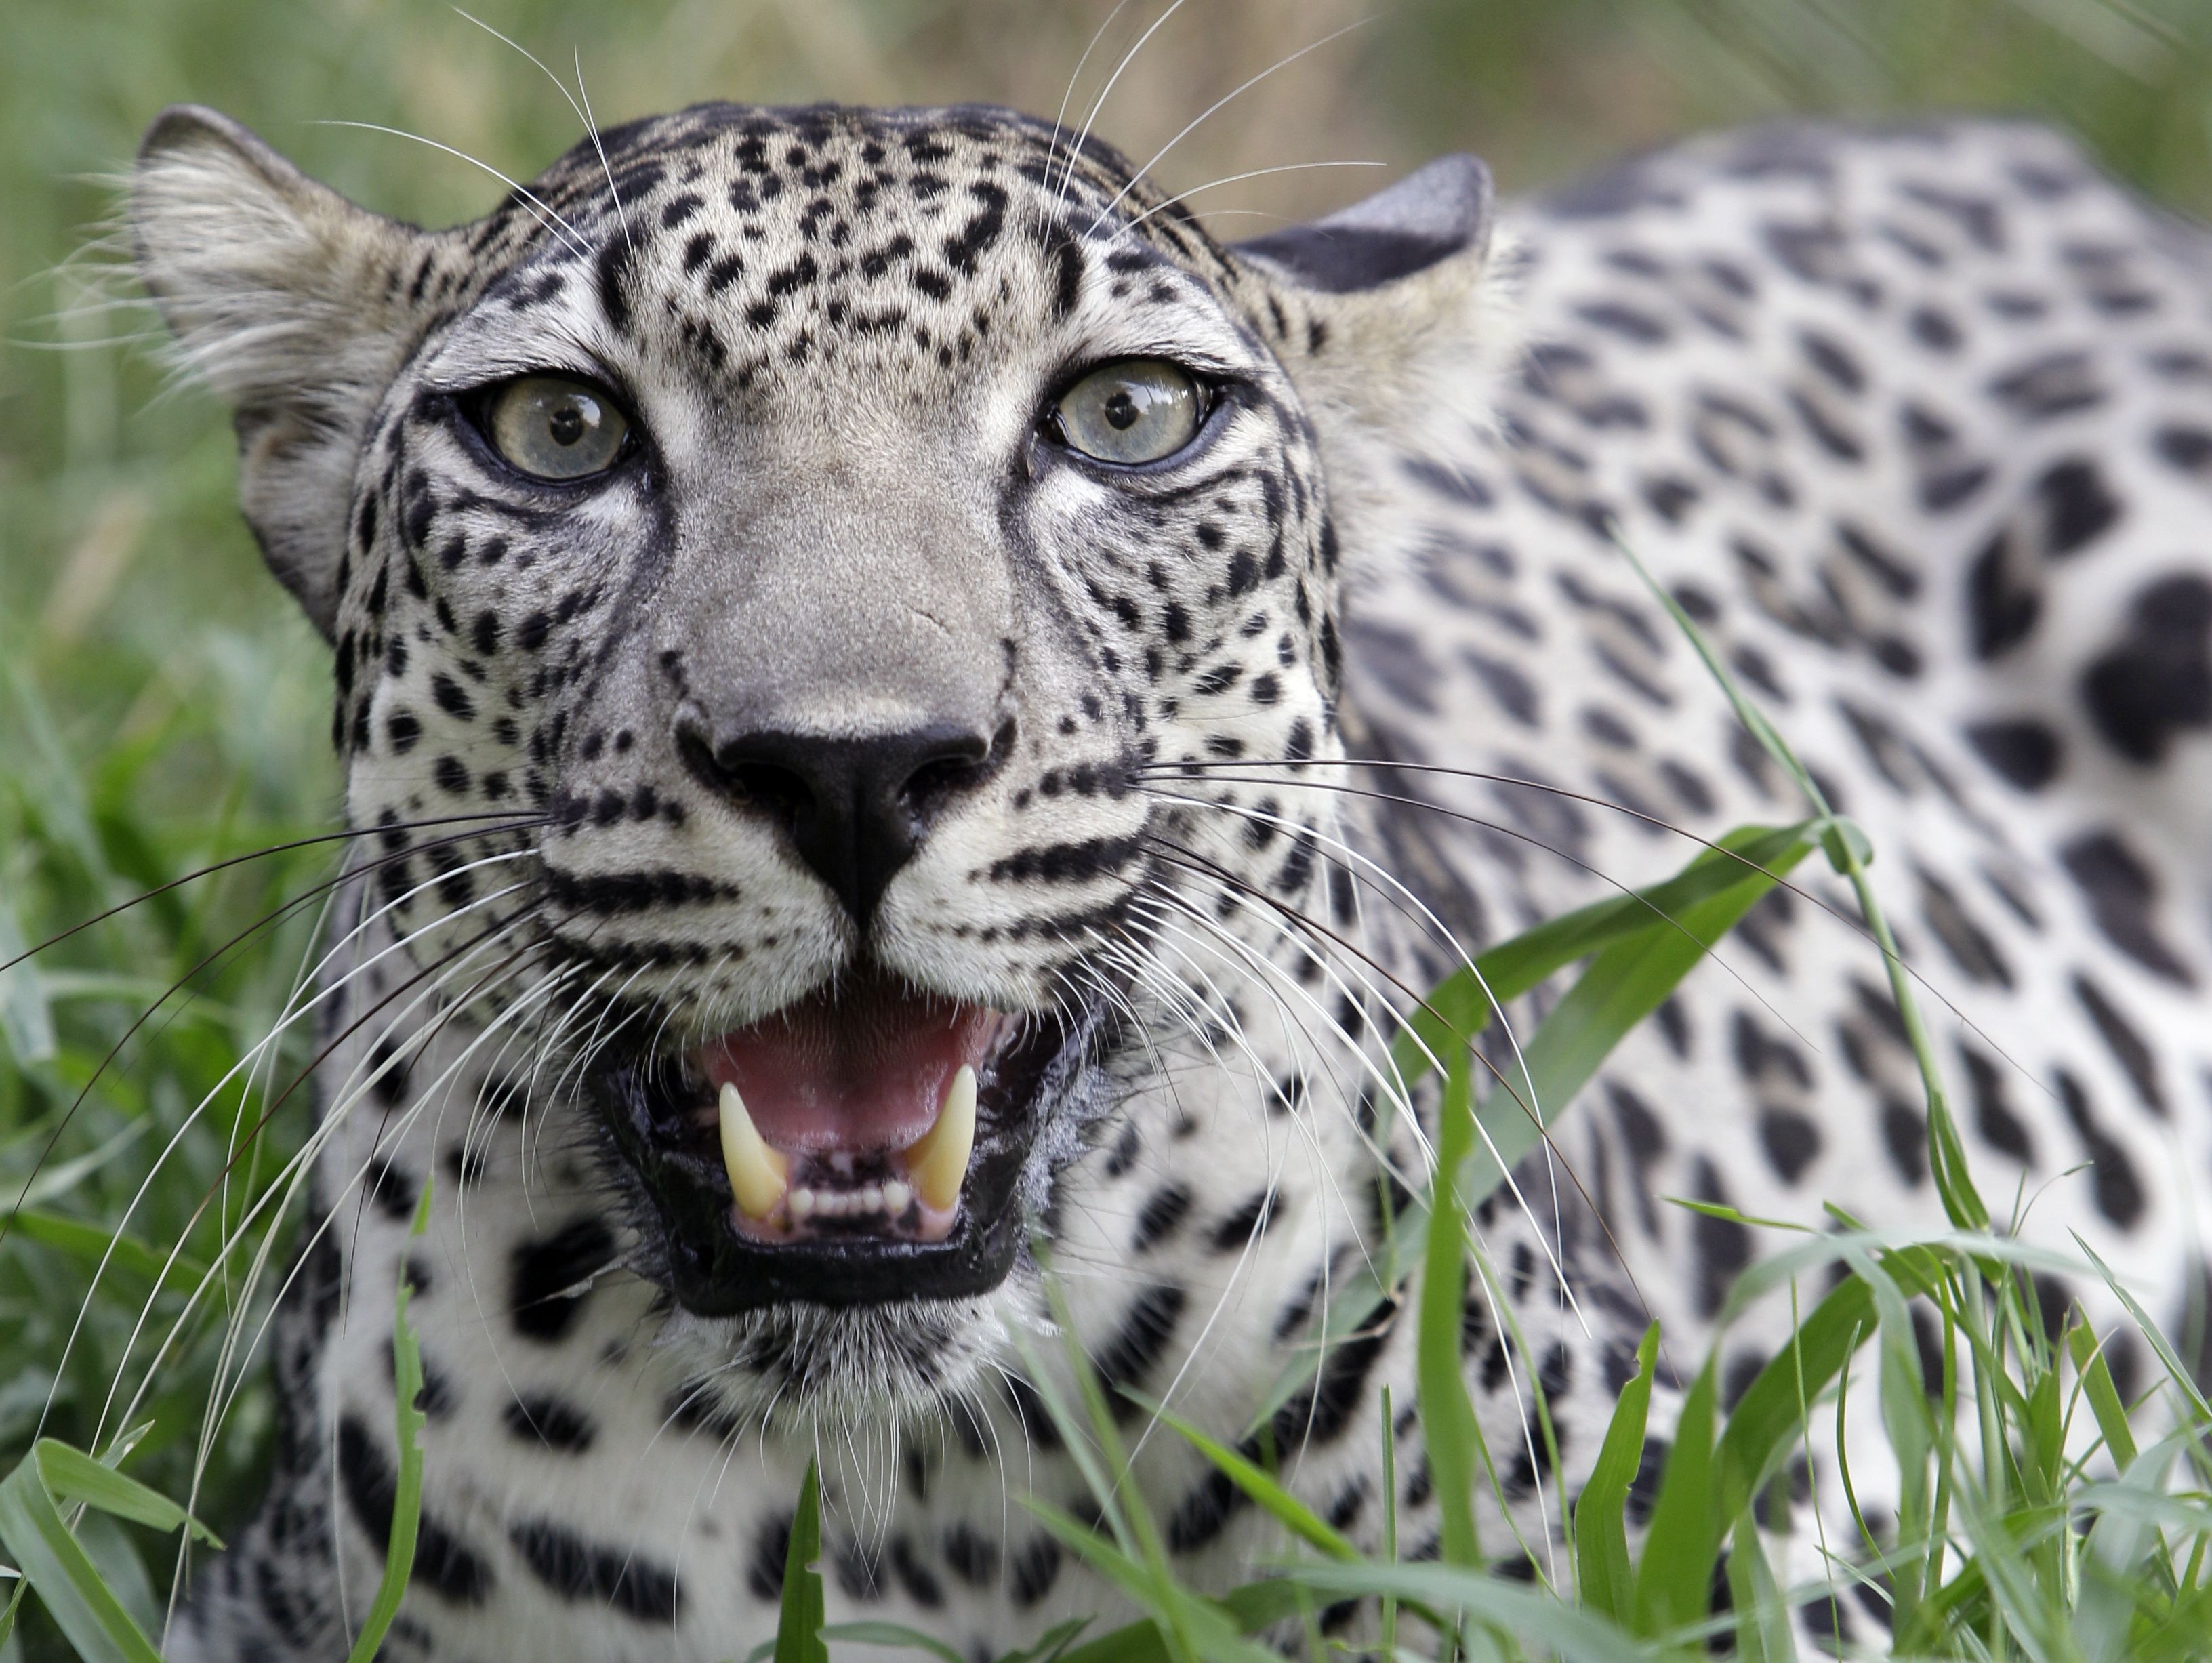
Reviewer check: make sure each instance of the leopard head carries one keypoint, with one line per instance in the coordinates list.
(773, 562)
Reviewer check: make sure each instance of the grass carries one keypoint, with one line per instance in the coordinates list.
(161, 708)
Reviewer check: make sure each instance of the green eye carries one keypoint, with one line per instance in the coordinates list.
(556, 428)
(1137, 411)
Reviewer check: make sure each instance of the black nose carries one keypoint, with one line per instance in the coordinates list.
(855, 810)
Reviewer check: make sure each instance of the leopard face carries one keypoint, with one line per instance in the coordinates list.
(770, 561)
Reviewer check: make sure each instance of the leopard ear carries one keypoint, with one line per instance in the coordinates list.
(1394, 319)
(295, 307)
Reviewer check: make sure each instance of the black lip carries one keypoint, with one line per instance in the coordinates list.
(712, 1271)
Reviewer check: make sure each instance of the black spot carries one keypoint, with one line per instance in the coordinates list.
(2000, 1127)
(919, 1582)
(2001, 603)
(552, 1421)
(543, 1270)
(1968, 944)
(1721, 1246)
(2156, 679)
(442, 1564)
(1031, 1572)
(1162, 1213)
(392, 1188)
(974, 1559)
(2057, 383)
(617, 1578)
(615, 258)
(1240, 1227)
(2118, 1191)
(1142, 1339)
(771, 1546)
(2134, 1054)
(2078, 507)
(2024, 752)
(1905, 1136)
(1792, 1141)
(2121, 892)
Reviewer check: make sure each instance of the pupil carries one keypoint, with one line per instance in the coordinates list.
(1120, 412)
(568, 425)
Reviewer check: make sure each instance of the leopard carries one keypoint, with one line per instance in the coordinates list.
(915, 726)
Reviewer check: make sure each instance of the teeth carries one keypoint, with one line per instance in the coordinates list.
(895, 1197)
(801, 1203)
(939, 1162)
(758, 1173)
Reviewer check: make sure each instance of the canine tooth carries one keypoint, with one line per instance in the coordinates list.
(758, 1173)
(896, 1196)
(938, 1161)
(802, 1204)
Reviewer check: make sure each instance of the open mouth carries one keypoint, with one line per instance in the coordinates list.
(861, 1145)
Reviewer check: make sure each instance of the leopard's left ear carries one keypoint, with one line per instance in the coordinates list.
(1392, 316)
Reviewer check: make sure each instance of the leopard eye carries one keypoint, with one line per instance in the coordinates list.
(554, 428)
(1141, 409)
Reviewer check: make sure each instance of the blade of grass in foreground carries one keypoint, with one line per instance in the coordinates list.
(407, 1497)
(798, 1626)
(57, 1567)
(1602, 1565)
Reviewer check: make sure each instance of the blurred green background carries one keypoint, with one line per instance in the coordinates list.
(160, 707)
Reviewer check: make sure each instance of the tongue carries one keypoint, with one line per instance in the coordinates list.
(859, 1071)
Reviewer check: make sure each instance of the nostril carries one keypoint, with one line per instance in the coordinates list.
(738, 772)
(954, 763)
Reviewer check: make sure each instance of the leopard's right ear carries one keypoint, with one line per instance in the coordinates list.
(295, 306)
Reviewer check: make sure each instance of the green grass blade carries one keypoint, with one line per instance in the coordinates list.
(1766, 1416)
(1762, 1616)
(1673, 1584)
(93, 1244)
(70, 1474)
(1448, 1428)
(1462, 1003)
(407, 1497)
(1625, 983)
(1256, 1481)
(1645, 959)
(56, 1567)
(1532, 1615)
(891, 1634)
(2177, 1372)
(1050, 1644)
(2104, 1396)
(799, 1626)
(1210, 1631)
(1602, 1565)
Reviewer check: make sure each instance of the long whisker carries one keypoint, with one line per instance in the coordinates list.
(1099, 103)
(1060, 116)
(266, 1045)
(144, 1016)
(1201, 117)
(583, 110)
(545, 214)
(1708, 949)
(1235, 178)
(509, 823)
(1503, 1082)
(1361, 867)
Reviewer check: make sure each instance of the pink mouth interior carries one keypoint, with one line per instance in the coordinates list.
(862, 1070)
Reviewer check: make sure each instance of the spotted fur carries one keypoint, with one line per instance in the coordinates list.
(1916, 424)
